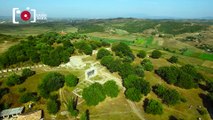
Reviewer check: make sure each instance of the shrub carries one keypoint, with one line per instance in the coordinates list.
(156, 54)
(153, 107)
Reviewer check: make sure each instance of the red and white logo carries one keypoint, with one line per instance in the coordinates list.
(25, 15)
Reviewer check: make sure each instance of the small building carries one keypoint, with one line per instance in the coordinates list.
(13, 112)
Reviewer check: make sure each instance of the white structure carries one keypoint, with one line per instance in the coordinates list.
(90, 73)
(75, 62)
(11, 112)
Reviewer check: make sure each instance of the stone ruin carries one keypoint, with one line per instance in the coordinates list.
(90, 73)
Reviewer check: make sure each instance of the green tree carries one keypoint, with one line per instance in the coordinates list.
(169, 96)
(141, 54)
(133, 81)
(14, 79)
(156, 54)
(190, 69)
(103, 52)
(111, 89)
(125, 70)
(71, 80)
(173, 59)
(27, 73)
(147, 65)
(106, 60)
(122, 50)
(29, 96)
(51, 82)
(153, 107)
(186, 81)
(139, 70)
(170, 74)
(94, 94)
(113, 65)
(133, 94)
(84, 47)
(52, 106)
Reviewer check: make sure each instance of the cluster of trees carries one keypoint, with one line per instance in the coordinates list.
(153, 107)
(175, 28)
(135, 86)
(111, 63)
(71, 80)
(123, 51)
(96, 92)
(186, 76)
(169, 96)
(132, 75)
(147, 65)
(39, 49)
(156, 54)
(29, 96)
(138, 26)
(15, 79)
(51, 82)
(56, 56)
(87, 47)
(85, 27)
(114, 64)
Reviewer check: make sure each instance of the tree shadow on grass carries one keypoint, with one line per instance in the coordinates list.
(207, 104)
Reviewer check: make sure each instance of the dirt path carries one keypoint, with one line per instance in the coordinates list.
(137, 111)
